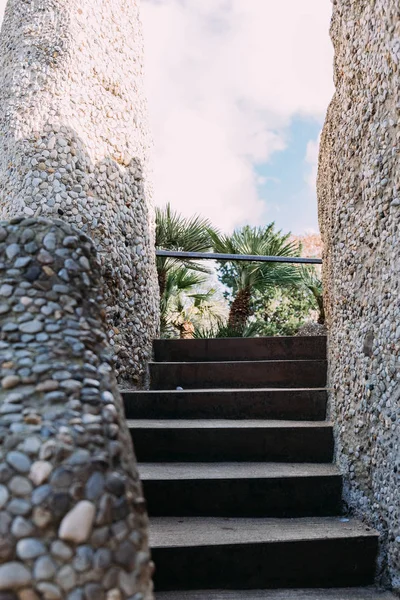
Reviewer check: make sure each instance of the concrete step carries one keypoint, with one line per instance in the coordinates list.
(292, 404)
(241, 489)
(245, 374)
(369, 593)
(268, 348)
(232, 440)
(215, 553)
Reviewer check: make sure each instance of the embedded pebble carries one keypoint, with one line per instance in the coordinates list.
(13, 576)
(29, 548)
(22, 527)
(20, 486)
(31, 326)
(49, 591)
(77, 524)
(19, 461)
(66, 578)
(18, 506)
(10, 381)
(40, 471)
(44, 568)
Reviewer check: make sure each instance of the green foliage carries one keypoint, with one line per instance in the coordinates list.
(224, 330)
(284, 311)
(175, 232)
(265, 298)
(264, 241)
(246, 279)
(312, 282)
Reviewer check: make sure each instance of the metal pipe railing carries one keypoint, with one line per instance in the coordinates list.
(243, 257)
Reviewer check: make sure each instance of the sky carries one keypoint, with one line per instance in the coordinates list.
(238, 91)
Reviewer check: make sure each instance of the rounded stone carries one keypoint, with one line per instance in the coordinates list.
(76, 526)
(13, 576)
(41, 493)
(40, 471)
(61, 550)
(44, 568)
(41, 517)
(22, 528)
(83, 558)
(29, 548)
(95, 486)
(10, 381)
(66, 578)
(19, 506)
(20, 486)
(33, 326)
(114, 594)
(115, 483)
(19, 461)
(49, 591)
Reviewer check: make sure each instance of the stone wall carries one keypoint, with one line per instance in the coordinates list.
(73, 523)
(74, 145)
(359, 206)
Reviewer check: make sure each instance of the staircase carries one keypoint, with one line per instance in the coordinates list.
(238, 475)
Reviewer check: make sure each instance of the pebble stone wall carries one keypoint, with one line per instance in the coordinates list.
(359, 206)
(73, 523)
(74, 145)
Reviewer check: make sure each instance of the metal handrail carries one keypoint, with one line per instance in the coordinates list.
(244, 257)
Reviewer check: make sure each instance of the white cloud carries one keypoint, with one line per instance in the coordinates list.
(311, 160)
(225, 78)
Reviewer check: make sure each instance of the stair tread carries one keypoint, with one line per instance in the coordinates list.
(238, 362)
(167, 532)
(311, 594)
(248, 470)
(227, 391)
(224, 424)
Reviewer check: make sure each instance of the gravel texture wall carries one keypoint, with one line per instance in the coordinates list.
(74, 142)
(73, 523)
(359, 206)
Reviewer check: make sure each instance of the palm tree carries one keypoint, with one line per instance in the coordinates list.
(311, 280)
(246, 277)
(183, 306)
(175, 232)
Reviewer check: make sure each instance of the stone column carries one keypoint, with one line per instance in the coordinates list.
(74, 143)
(73, 523)
(359, 204)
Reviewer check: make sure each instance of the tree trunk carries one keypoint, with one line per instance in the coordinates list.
(240, 310)
(321, 316)
(162, 281)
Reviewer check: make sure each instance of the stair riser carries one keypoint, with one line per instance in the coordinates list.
(285, 497)
(317, 563)
(276, 348)
(234, 444)
(280, 374)
(289, 405)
